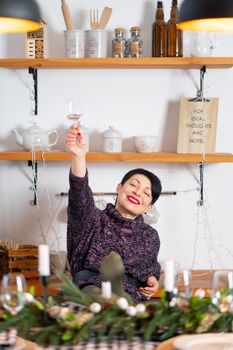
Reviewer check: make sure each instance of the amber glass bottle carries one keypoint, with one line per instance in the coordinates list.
(159, 33)
(174, 35)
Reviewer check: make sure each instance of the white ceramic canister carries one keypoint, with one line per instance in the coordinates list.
(95, 43)
(111, 140)
(74, 43)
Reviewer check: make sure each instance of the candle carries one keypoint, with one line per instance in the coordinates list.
(106, 289)
(44, 269)
(169, 278)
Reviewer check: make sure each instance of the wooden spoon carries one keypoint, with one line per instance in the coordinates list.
(106, 14)
(67, 15)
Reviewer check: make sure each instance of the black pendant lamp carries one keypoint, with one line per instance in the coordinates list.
(19, 16)
(206, 15)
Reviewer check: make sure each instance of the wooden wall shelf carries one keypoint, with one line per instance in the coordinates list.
(143, 62)
(121, 157)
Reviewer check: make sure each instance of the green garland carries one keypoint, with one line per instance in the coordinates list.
(70, 317)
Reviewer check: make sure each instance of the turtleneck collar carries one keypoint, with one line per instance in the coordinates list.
(128, 223)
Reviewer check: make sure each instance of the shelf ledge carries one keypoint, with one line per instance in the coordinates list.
(142, 62)
(120, 157)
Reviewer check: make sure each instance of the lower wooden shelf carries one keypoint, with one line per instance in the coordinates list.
(120, 157)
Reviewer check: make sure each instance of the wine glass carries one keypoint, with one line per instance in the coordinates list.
(183, 288)
(222, 290)
(13, 292)
(74, 110)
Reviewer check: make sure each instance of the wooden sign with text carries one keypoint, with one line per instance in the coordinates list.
(197, 126)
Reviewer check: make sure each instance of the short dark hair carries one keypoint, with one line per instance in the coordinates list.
(156, 187)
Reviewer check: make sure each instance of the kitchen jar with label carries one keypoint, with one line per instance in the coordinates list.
(111, 140)
(119, 43)
(135, 43)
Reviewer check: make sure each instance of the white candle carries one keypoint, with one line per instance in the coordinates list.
(169, 278)
(106, 289)
(44, 269)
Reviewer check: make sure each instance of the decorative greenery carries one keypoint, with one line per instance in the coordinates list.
(70, 317)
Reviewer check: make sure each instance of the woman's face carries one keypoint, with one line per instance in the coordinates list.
(134, 196)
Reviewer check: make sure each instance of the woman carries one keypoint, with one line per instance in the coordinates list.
(92, 234)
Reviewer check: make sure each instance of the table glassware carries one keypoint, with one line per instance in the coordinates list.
(13, 292)
(183, 288)
(222, 290)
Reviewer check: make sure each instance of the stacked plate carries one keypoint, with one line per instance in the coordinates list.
(207, 341)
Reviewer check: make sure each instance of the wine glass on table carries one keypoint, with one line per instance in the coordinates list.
(183, 284)
(13, 292)
(222, 290)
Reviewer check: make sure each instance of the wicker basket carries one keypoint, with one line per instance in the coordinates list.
(23, 260)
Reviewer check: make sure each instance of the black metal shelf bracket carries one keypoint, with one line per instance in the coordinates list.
(201, 168)
(33, 71)
(202, 77)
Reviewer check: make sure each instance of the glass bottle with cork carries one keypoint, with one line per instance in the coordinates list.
(174, 35)
(159, 33)
(135, 43)
(119, 43)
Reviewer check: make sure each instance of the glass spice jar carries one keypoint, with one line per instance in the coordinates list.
(135, 43)
(119, 43)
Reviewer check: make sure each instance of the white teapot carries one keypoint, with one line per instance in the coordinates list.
(35, 138)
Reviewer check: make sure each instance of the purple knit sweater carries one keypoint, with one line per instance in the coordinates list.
(92, 234)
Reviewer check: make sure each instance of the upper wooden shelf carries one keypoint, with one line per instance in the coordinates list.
(143, 62)
(121, 157)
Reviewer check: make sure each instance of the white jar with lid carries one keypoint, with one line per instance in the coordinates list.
(111, 140)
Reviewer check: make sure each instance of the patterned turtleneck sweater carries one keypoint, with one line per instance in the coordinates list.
(92, 234)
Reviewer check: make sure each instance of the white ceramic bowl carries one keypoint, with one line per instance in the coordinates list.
(146, 144)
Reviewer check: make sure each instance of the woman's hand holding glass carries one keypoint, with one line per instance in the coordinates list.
(13, 292)
(74, 110)
(76, 141)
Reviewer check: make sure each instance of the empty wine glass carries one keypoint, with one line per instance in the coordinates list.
(222, 290)
(74, 110)
(13, 292)
(183, 288)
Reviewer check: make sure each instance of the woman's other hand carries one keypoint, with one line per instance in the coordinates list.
(76, 141)
(151, 288)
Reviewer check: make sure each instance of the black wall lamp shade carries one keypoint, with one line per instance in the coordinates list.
(206, 15)
(19, 16)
